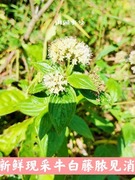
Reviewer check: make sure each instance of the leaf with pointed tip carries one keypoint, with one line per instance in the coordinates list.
(81, 81)
(79, 125)
(13, 136)
(62, 108)
(9, 100)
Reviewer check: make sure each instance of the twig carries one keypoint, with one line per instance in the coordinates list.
(25, 64)
(124, 102)
(56, 15)
(35, 18)
(9, 58)
(32, 7)
(49, 27)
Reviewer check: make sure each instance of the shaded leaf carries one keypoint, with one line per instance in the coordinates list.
(79, 125)
(113, 177)
(106, 150)
(90, 96)
(55, 141)
(45, 125)
(102, 123)
(62, 108)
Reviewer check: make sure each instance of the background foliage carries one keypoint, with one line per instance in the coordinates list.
(104, 124)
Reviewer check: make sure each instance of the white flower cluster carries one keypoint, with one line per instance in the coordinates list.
(55, 82)
(132, 60)
(69, 50)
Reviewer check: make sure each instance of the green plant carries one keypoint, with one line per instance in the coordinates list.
(54, 100)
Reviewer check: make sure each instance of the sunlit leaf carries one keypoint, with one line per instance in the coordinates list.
(44, 67)
(33, 105)
(34, 52)
(114, 90)
(32, 146)
(81, 81)
(106, 51)
(13, 136)
(9, 100)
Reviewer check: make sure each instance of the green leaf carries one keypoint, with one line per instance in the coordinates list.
(62, 108)
(44, 67)
(106, 51)
(13, 136)
(55, 141)
(128, 131)
(14, 42)
(81, 81)
(106, 150)
(60, 177)
(33, 105)
(102, 123)
(114, 90)
(128, 151)
(45, 125)
(63, 151)
(32, 146)
(90, 96)
(34, 52)
(90, 177)
(79, 125)
(9, 100)
(113, 177)
(38, 177)
(76, 24)
(36, 88)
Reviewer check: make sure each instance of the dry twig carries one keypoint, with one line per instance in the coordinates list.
(35, 18)
(8, 59)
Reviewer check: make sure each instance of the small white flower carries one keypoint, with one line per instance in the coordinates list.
(133, 69)
(132, 57)
(55, 82)
(69, 50)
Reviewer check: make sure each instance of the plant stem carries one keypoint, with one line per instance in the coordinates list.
(105, 141)
(124, 102)
(49, 28)
(35, 18)
(32, 7)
